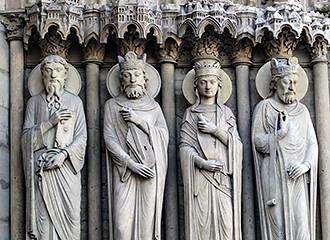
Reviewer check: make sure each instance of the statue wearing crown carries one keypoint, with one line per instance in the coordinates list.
(285, 153)
(211, 156)
(136, 139)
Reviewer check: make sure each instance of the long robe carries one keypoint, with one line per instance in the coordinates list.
(286, 205)
(212, 200)
(135, 203)
(53, 196)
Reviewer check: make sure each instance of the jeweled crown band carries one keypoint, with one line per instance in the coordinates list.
(207, 68)
(283, 66)
(131, 61)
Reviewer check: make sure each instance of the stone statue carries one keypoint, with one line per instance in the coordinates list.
(136, 139)
(285, 154)
(211, 157)
(53, 143)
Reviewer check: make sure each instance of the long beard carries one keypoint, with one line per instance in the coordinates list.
(53, 96)
(136, 92)
(288, 97)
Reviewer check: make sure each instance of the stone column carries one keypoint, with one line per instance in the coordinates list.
(242, 62)
(168, 106)
(94, 54)
(322, 112)
(17, 185)
(4, 136)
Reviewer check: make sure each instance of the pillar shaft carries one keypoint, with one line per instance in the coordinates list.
(171, 191)
(322, 112)
(17, 209)
(244, 123)
(93, 152)
(4, 136)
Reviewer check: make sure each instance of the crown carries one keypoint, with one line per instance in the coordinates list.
(207, 67)
(284, 65)
(131, 61)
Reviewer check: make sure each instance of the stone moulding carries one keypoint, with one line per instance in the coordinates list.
(99, 21)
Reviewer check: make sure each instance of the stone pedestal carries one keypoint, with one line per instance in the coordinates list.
(171, 190)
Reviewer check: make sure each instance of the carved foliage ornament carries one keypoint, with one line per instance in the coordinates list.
(131, 42)
(94, 52)
(208, 45)
(14, 26)
(319, 49)
(283, 46)
(170, 51)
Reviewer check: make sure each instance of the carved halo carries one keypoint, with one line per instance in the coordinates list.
(188, 87)
(264, 77)
(72, 84)
(153, 83)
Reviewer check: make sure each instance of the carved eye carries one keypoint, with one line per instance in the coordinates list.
(145, 148)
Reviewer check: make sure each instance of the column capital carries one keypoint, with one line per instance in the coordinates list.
(14, 26)
(94, 53)
(169, 52)
(319, 51)
(242, 52)
(282, 46)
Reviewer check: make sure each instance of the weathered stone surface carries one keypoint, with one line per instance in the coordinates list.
(285, 151)
(53, 146)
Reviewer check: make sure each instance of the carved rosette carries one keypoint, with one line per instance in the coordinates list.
(319, 50)
(169, 52)
(94, 52)
(283, 46)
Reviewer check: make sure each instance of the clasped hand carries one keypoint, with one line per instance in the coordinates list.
(212, 165)
(55, 161)
(205, 126)
(295, 170)
(59, 116)
(129, 115)
(141, 169)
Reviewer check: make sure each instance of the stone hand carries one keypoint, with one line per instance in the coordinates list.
(283, 124)
(297, 169)
(205, 126)
(141, 169)
(56, 161)
(130, 116)
(212, 165)
(60, 115)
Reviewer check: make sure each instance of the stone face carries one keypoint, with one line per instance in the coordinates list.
(136, 139)
(286, 158)
(53, 142)
(211, 161)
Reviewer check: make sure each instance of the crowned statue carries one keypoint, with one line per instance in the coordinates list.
(211, 156)
(136, 139)
(285, 153)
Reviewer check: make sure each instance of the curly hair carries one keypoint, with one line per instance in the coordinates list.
(56, 59)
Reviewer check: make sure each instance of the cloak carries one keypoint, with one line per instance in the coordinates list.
(272, 157)
(120, 138)
(195, 143)
(59, 189)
